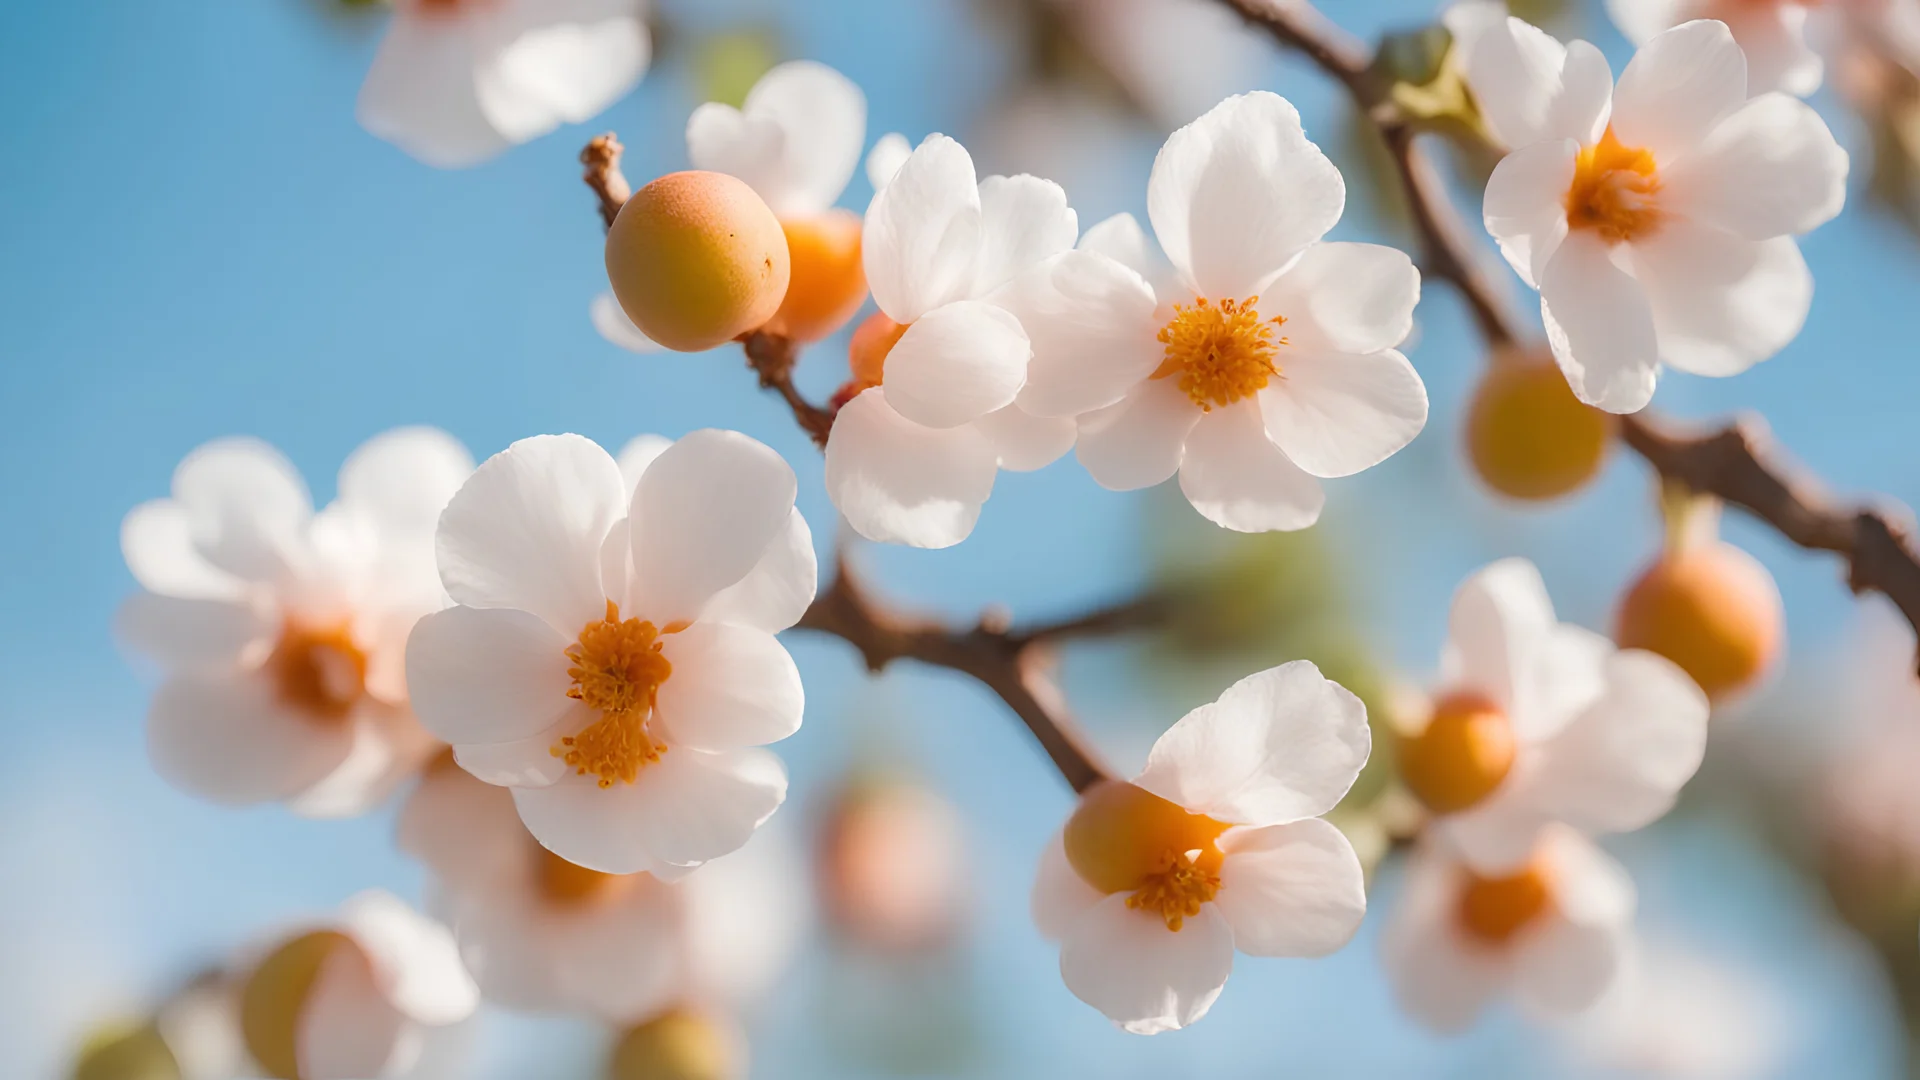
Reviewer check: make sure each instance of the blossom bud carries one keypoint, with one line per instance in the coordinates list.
(696, 259)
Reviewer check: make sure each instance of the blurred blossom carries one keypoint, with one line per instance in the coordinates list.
(1772, 33)
(1553, 934)
(351, 998)
(680, 1045)
(458, 81)
(892, 865)
(1869, 797)
(1177, 57)
(1677, 1015)
(1065, 131)
(283, 632)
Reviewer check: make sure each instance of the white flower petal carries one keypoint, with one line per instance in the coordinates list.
(157, 540)
(1342, 297)
(899, 482)
(247, 508)
(525, 531)
(1497, 836)
(1503, 642)
(203, 637)
(1436, 978)
(1591, 888)
(817, 120)
(890, 151)
(528, 762)
(1236, 194)
(1060, 895)
(921, 240)
(1238, 479)
(778, 590)
(1679, 87)
(1722, 303)
(640, 452)
(560, 61)
(704, 514)
(467, 832)
(1144, 977)
(1566, 969)
(487, 675)
(1770, 169)
(1529, 87)
(1600, 325)
(1025, 442)
(1023, 219)
(1335, 414)
(389, 747)
(1641, 20)
(1142, 440)
(1280, 745)
(686, 808)
(231, 741)
(347, 1030)
(1291, 890)
(414, 957)
(622, 962)
(402, 479)
(421, 94)
(1774, 37)
(956, 364)
(1091, 323)
(611, 320)
(731, 686)
(1121, 239)
(1526, 204)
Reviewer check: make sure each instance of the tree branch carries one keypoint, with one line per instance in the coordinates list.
(602, 160)
(1736, 462)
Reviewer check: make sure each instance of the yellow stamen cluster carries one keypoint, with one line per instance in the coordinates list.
(318, 671)
(1125, 839)
(1613, 191)
(617, 669)
(1176, 893)
(1221, 352)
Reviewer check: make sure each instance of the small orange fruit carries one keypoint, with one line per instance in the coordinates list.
(1529, 437)
(1710, 608)
(696, 259)
(872, 341)
(1462, 755)
(829, 280)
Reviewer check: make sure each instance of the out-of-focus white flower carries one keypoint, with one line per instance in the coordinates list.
(611, 656)
(1682, 1016)
(540, 933)
(348, 999)
(1216, 846)
(458, 81)
(283, 632)
(893, 873)
(1772, 34)
(913, 455)
(1553, 933)
(1261, 359)
(796, 141)
(1538, 721)
(1176, 56)
(1655, 217)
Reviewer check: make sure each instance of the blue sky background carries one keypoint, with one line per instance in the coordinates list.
(196, 239)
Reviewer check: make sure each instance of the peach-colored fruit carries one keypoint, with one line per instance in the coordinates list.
(829, 280)
(1710, 608)
(1461, 756)
(696, 259)
(1529, 437)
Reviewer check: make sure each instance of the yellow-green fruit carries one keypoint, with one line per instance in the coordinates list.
(1529, 437)
(126, 1053)
(676, 1045)
(696, 260)
(276, 994)
(1710, 608)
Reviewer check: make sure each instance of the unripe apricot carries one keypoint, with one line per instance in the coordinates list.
(1461, 756)
(1121, 835)
(829, 279)
(1710, 608)
(696, 260)
(1529, 437)
(676, 1045)
(872, 341)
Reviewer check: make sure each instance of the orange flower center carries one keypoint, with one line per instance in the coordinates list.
(568, 884)
(1221, 352)
(1123, 838)
(1463, 754)
(1493, 910)
(318, 671)
(1613, 191)
(617, 669)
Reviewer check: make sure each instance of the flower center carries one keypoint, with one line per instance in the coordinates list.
(1493, 910)
(1463, 754)
(1613, 191)
(318, 670)
(1124, 838)
(1221, 352)
(617, 669)
(568, 884)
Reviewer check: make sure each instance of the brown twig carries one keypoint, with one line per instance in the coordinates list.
(1734, 462)
(602, 160)
(772, 357)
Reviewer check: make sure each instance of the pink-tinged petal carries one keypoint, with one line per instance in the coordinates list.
(466, 831)
(1436, 977)
(1025, 442)
(704, 514)
(1621, 763)
(231, 741)
(1145, 978)
(621, 962)
(528, 762)
(1343, 297)
(1061, 897)
(1600, 325)
(921, 240)
(1771, 169)
(525, 531)
(487, 675)
(1497, 836)
(685, 808)
(1238, 479)
(956, 364)
(389, 747)
(1291, 890)
(1142, 440)
(778, 590)
(796, 139)
(1774, 37)
(1335, 414)
(1279, 745)
(1091, 323)
(414, 959)
(1722, 303)
(157, 540)
(203, 637)
(1525, 206)
(900, 482)
(347, 1029)
(246, 506)
(421, 94)
(1236, 194)
(732, 686)
(402, 479)
(1023, 219)
(1678, 87)
(1591, 888)
(1565, 969)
